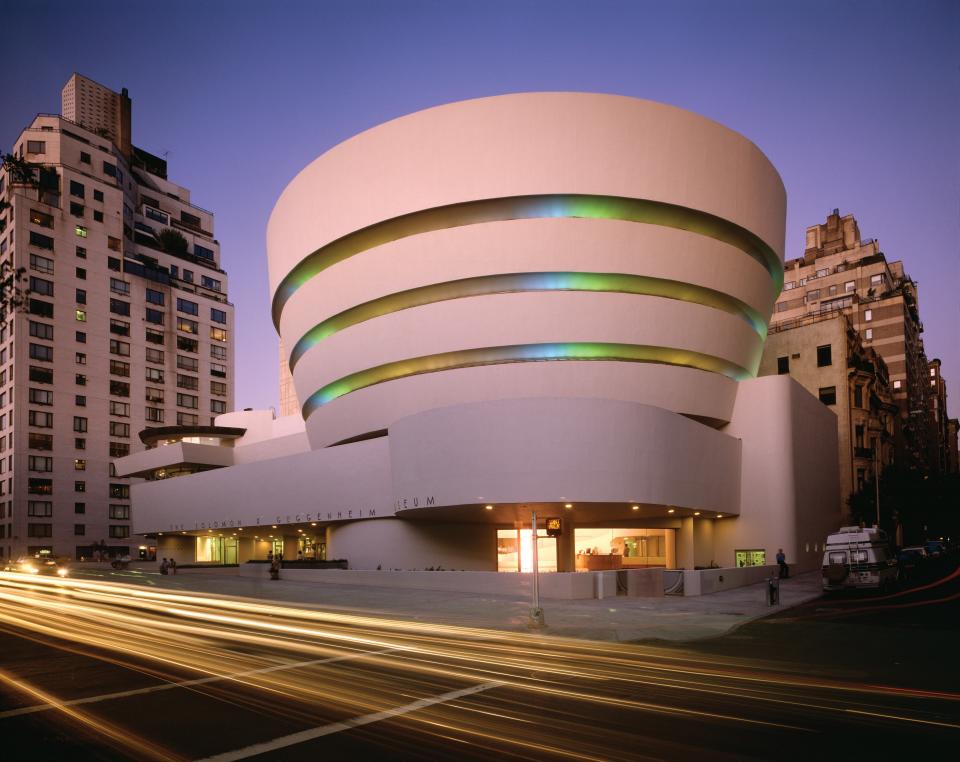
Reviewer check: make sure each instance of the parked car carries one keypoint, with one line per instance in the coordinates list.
(935, 548)
(911, 561)
(37, 565)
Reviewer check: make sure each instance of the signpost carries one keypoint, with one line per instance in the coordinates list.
(536, 613)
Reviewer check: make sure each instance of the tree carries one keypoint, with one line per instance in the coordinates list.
(172, 241)
(12, 295)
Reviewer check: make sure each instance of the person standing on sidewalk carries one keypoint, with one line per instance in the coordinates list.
(782, 563)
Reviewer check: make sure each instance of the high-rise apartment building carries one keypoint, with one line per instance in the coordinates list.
(841, 272)
(126, 325)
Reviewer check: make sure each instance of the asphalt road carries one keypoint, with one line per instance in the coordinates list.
(96, 671)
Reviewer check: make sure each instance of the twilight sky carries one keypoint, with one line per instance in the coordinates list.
(857, 104)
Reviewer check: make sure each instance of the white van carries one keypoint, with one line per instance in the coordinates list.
(858, 557)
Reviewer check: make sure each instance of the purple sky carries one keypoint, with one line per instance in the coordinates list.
(856, 103)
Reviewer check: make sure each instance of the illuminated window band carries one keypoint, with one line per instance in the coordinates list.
(524, 282)
(521, 208)
(468, 358)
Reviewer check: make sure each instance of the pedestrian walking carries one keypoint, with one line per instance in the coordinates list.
(782, 563)
(164, 566)
(173, 566)
(270, 556)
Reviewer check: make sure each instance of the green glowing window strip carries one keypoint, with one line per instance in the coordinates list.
(567, 351)
(528, 282)
(527, 207)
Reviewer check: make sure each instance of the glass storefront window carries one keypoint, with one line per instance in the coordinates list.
(751, 558)
(515, 550)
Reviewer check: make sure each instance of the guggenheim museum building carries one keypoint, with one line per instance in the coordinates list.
(542, 302)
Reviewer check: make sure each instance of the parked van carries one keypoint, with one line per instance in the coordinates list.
(858, 557)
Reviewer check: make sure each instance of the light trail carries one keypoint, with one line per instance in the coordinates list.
(322, 668)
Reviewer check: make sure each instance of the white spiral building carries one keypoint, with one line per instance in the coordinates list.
(543, 301)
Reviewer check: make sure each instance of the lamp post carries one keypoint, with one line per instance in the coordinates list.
(536, 613)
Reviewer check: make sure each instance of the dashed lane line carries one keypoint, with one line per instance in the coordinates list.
(338, 727)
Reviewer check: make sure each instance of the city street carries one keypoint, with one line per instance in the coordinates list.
(98, 670)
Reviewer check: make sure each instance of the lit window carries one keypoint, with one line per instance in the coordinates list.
(868, 315)
(868, 334)
(897, 384)
(82, 316)
(79, 464)
(81, 231)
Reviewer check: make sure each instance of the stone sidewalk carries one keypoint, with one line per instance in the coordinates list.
(619, 618)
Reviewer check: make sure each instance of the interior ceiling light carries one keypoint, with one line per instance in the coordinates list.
(670, 510)
(568, 505)
(489, 507)
(696, 513)
(636, 507)
(719, 515)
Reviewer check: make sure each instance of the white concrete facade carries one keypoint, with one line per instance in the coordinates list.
(550, 302)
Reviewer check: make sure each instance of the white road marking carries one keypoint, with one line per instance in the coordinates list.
(354, 722)
(191, 683)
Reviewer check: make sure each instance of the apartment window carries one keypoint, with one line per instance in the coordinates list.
(80, 486)
(80, 230)
(824, 356)
(218, 353)
(850, 285)
(36, 146)
(97, 216)
(121, 348)
(40, 441)
(109, 169)
(823, 273)
(81, 273)
(37, 486)
(79, 424)
(79, 464)
(813, 295)
(220, 371)
(79, 443)
(81, 252)
(41, 264)
(218, 388)
(40, 286)
(113, 263)
(120, 491)
(118, 531)
(39, 530)
(119, 368)
(218, 334)
(77, 189)
(202, 251)
(150, 201)
(218, 406)
(832, 290)
(876, 280)
(98, 196)
(154, 355)
(80, 380)
(118, 429)
(187, 382)
(858, 395)
(828, 395)
(42, 463)
(41, 397)
(119, 286)
(41, 375)
(155, 375)
(41, 352)
(119, 327)
(188, 400)
(218, 316)
(120, 307)
(188, 363)
(121, 409)
(155, 297)
(81, 298)
(39, 508)
(152, 394)
(188, 276)
(79, 530)
(119, 449)
(153, 414)
(84, 157)
(154, 337)
(40, 419)
(120, 388)
(190, 308)
(933, 372)
(187, 345)
(154, 316)
(80, 400)
(186, 419)
(113, 243)
(80, 358)
(121, 512)
(207, 282)
(41, 308)
(80, 337)
(188, 326)
(41, 330)
(868, 315)
(79, 507)
(41, 241)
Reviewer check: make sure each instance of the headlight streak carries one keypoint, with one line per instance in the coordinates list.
(202, 634)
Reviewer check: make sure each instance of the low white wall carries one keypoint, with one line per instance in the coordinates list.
(555, 585)
(706, 581)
